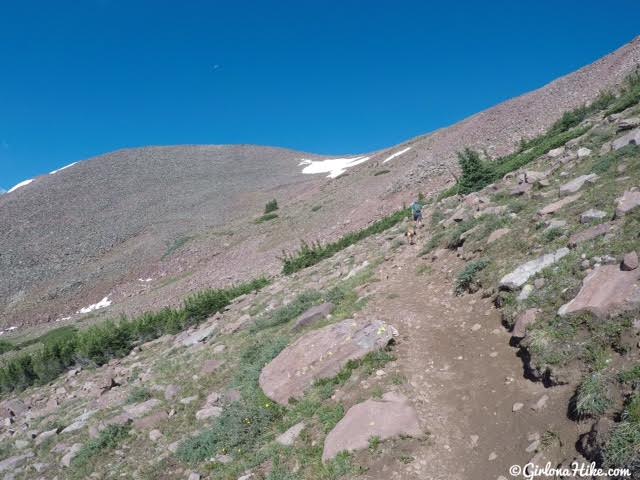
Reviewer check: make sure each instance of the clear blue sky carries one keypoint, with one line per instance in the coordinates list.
(81, 78)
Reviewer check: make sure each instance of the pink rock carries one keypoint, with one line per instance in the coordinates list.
(525, 319)
(627, 202)
(555, 206)
(387, 418)
(630, 261)
(210, 366)
(606, 291)
(320, 354)
(497, 234)
(590, 233)
(150, 420)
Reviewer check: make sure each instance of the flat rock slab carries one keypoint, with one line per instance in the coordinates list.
(590, 233)
(497, 234)
(195, 337)
(321, 354)
(629, 200)
(607, 290)
(140, 409)
(387, 418)
(313, 315)
(14, 462)
(577, 183)
(525, 319)
(555, 206)
(631, 138)
(520, 275)
(592, 215)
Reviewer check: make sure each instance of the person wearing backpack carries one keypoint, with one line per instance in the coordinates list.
(416, 210)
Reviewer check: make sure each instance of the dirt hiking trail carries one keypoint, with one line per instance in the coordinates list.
(463, 377)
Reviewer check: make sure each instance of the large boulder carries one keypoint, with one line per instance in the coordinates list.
(14, 462)
(320, 354)
(497, 234)
(592, 215)
(390, 417)
(526, 318)
(631, 138)
(629, 200)
(555, 206)
(313, 315)
(607, 290)
(520, 275)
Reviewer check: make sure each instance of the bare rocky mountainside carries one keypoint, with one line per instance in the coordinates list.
(160, 318)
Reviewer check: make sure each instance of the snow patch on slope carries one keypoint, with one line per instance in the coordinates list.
(397, 154)
(21, 184)
(105, 302)
(63, 168)
(333, 166)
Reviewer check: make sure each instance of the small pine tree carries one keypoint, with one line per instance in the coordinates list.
(476, 174)
(271, 206)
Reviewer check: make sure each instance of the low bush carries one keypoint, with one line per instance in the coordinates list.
(100, 343)
(266, 217)
(592, 399)
(467, 277)
(288, 312)
(310, 254)
(108, 439)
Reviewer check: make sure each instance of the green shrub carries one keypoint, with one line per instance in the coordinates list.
(266, 217)
(476, 173)
(108, 439)
(467, 277)
(288, 312)
(6, 346)
(622, 449)
(100, 343)
(138, 394)
(630, 94)
(310, 254)
(271, 206)
(592, 398)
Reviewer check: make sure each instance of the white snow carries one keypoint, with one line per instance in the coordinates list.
(145, 280)
(397, 154)
(21, 184)
(105, 302)
(63, 168)
(333, 166)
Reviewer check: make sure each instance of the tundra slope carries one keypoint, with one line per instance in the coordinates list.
(183, 216)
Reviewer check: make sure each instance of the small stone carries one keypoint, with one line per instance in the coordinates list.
(474, 440)
(476, 327)
(493, 456)
(71, 454)
(630, 261)
(208, 412)
(541, 403)
(173, 447)
(539, 283)
(155, 435)
(188, 400)
(289, 437)
(526, 291)
(583, 152)
(533, 446)
(194, 476)
(592, 215)
(219, 348)
(517, 407)
(223, 459)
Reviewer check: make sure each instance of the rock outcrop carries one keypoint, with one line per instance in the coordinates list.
(390, 417)
(520, 275)
(607, 290)
(320, 354)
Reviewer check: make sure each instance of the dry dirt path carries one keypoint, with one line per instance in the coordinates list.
(463, 376)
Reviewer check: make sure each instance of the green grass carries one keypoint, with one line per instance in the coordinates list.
(6, 346)
(266, 217)
(100, 343)
(311, 254)
(138, 395)
(108, 440)
(284, 314)
(176, 245)
(629, 96)
(592, 398)
(468, 276)
(622, 449)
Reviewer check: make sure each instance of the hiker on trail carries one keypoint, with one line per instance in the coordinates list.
(416, 210)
